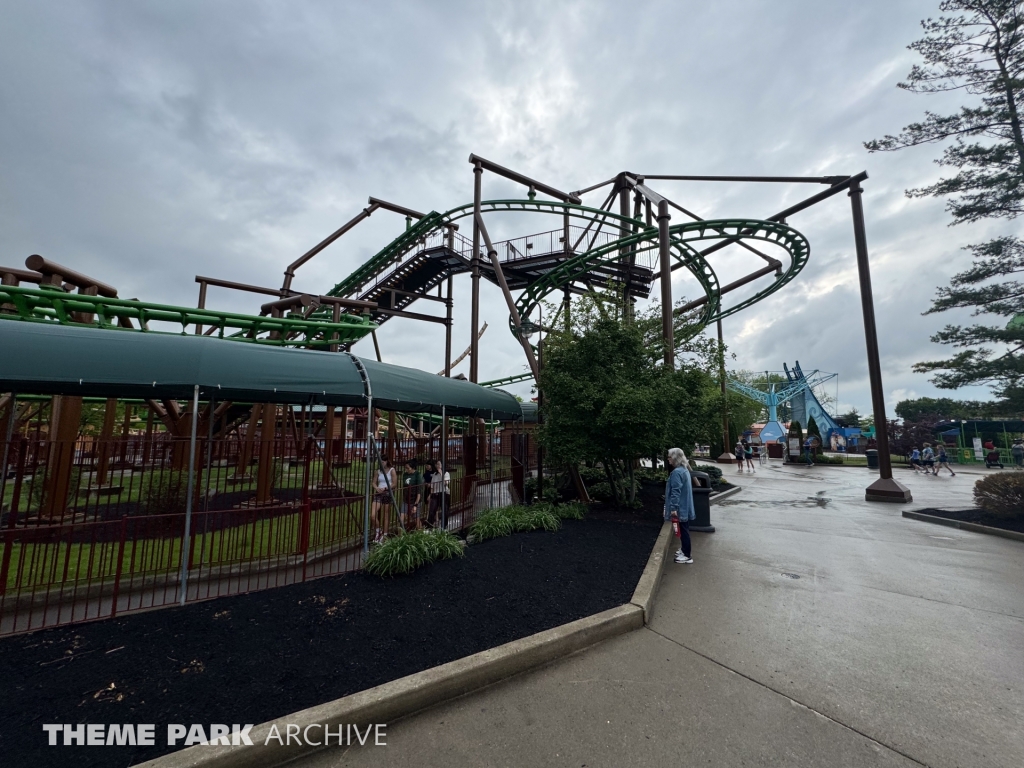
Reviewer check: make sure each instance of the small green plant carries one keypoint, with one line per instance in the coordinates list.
(492, 524)
(1001, 494)
(536, 517)
(574, 510)
(441, 545)
(408, 551)
(504, 521)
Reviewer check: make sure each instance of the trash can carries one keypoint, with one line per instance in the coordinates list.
(702, 504)
(872, 457)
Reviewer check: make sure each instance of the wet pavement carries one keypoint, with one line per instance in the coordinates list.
(812, 629)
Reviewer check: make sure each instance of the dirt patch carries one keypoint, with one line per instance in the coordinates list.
(979, 516)
(255, 657)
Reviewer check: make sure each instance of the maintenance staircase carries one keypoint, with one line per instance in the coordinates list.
(433, 257)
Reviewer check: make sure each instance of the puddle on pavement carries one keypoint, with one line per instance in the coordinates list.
(808, 503)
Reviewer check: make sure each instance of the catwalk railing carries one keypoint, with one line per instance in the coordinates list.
(114, 543)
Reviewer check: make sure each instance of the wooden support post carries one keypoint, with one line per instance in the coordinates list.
(65, 418)
(325, 473)
(265, 470)
(106, 438)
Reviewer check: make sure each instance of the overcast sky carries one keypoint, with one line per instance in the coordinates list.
(146, 142)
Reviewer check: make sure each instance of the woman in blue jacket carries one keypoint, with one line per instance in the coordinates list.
(679, 501)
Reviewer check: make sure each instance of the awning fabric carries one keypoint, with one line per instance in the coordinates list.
(36, 358)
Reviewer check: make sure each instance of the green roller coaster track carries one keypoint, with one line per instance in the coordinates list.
(51, 305)
(640, 239)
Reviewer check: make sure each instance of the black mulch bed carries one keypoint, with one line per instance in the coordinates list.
(979, 516)
(256, 657)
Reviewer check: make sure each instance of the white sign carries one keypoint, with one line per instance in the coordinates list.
(978, 454)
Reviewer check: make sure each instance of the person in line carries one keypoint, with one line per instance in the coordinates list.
(928, 459)
(679, 501)
(440, 496)
(739, 453)
(943, 461)
(993, 459)
(1017, 452)
(412, 496)
(383, 499)
(748, 454)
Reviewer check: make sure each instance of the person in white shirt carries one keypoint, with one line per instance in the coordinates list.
(440, 495)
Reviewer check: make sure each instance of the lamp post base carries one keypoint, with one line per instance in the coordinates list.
(888, 489)
(726, 458)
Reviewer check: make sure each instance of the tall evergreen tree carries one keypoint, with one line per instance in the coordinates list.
(977, 48)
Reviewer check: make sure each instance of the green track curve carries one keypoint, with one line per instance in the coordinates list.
(683, 239)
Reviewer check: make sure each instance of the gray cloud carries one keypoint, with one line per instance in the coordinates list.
(148, 142)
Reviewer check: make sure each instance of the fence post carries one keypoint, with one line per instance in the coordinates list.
(366, 456)
(186, 548)
(120, 565)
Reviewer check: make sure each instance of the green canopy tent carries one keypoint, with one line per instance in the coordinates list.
(62, 360)
(37, 358)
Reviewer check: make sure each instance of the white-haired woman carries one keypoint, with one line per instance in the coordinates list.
(679, 501)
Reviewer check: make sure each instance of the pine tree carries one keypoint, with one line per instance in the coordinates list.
(813, 431)
(980, 51)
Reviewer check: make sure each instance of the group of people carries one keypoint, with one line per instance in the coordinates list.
(993, 459)
(744, 454)
(430, 489)
(929, 461)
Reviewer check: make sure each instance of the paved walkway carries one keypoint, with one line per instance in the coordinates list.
(813, 629)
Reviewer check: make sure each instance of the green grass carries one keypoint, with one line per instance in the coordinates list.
(45, 563)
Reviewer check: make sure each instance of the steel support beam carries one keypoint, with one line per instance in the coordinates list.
(886, 488)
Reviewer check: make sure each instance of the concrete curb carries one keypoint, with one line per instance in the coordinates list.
(647, 587)
(725, 494)
(975, 527)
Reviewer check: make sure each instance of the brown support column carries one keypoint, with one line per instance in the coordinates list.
(886, 488)
(474, 343)
(664, 253)
(392, 445)
(126, 426)
(725, 457)
(325, 473)
(448, 331)
(265, 469)
(65, 418)
(147, 441)
(245, 456)
(106, 437)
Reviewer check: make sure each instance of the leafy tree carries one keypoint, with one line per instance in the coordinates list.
(977, 49)
(850, 419)
(609, 400)
(948, 408)
(905, 436)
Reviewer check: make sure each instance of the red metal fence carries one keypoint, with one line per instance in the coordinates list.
(91, 529)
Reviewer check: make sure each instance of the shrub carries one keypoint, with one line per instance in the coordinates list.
(821, 458)
(441, 545)
(536, 517)
(507, 520)
(574, 510)
(408, 551)
(601, 492)
(166, 493)
(715, 473)
(492, 523)
(1001, 494)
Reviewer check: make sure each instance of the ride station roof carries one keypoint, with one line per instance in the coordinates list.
(38, 358)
